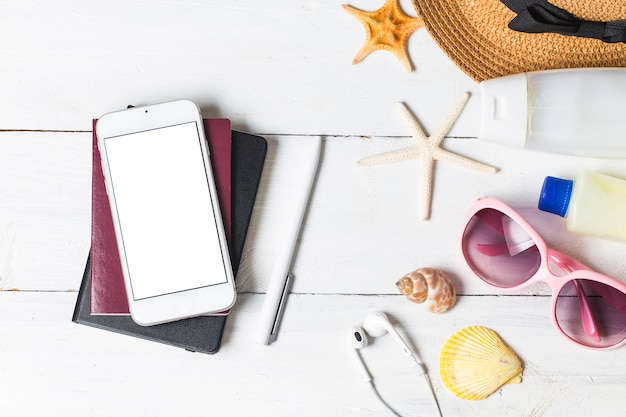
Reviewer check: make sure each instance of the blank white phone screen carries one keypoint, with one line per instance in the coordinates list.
(163, 203)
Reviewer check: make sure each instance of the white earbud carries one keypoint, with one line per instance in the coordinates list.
(377, 324)
(357, 340)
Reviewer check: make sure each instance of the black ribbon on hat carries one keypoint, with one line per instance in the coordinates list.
(540, 16)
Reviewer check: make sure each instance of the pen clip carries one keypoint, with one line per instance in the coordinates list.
(279, 311)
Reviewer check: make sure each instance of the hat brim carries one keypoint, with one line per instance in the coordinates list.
(476, 37)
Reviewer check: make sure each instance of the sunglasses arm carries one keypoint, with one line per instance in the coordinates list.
(569, 265)
(565, 263)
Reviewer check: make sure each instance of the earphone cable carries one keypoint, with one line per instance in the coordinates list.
(383, 402)
(432, 391)
(423, 371)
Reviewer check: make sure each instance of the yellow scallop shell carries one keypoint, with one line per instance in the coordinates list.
(475, 362)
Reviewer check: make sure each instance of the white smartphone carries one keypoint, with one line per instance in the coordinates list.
(166, 214)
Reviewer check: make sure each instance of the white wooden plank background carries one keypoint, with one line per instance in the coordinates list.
(280, 69)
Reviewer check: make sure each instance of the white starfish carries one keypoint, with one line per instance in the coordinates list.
(428, 150)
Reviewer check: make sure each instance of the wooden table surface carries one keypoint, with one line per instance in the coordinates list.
(280, 69)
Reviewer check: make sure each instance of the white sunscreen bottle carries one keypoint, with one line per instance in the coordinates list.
(572, 111)
(592, 204)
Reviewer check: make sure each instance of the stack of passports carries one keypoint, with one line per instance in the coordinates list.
(237, 159)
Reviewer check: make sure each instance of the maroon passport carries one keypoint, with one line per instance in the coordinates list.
(108, 294)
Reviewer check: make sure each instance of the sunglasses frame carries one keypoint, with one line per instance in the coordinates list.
(572, 269)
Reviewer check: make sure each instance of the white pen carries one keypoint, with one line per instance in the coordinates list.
(280, 280)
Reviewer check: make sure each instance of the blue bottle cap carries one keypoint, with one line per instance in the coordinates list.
(555, 195)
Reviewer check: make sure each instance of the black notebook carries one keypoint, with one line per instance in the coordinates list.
(198, 334)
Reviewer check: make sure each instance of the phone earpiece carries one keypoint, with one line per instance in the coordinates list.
(358, 340)
(377, 324)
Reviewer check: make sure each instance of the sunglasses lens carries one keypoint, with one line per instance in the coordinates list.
(499, 250)
(592, 313)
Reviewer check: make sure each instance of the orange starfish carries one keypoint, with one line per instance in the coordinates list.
(387, 28)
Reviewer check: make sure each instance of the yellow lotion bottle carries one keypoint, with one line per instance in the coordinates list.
(592, 204)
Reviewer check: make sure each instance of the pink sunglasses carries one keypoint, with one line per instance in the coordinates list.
(504, 251)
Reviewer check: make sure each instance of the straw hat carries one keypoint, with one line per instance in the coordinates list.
(476, 37)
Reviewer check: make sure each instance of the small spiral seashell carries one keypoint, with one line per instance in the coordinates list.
(430, 287)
